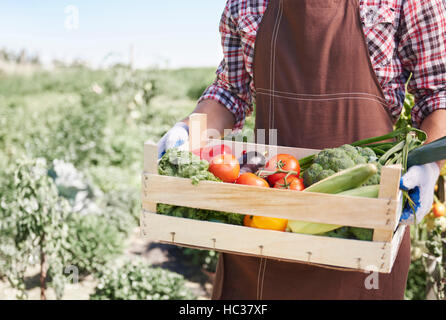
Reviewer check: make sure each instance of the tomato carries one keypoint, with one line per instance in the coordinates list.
(225, 167)
(207, 153)
(247, 220)
(285, 162)
(249, 178)
(293, 183)
(269, 223)
(439, 209)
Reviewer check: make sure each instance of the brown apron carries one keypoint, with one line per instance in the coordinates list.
(316, 86)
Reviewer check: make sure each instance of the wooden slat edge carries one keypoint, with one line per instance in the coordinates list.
(150, 157)
(396, 243)
(389, 189)
(150, 166)
(242, 199)
(361, 255)
(399, 209)
(197, 130)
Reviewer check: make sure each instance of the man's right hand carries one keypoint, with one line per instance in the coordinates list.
(176, 137)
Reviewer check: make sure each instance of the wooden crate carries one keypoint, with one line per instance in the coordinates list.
(380, 214)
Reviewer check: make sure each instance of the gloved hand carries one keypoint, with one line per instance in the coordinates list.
(420, 182)
(177, 136)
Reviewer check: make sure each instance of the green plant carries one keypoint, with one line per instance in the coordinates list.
(33, 228)
(206, 259)
(92, 242)
(196, 90)
(77, 137)
(99, 222)
(138, 281)
(416, 281)
(405, 120)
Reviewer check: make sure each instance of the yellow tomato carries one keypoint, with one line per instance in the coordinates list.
(269, 223)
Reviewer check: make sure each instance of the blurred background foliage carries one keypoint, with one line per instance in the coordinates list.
(85, 129)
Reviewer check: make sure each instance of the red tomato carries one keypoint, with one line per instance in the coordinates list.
(249, 178)
(207, 153)
(285, 162)
(225, 167)
(293, 183)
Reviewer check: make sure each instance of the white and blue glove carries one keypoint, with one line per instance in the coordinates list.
(176, 137)
(420, 182)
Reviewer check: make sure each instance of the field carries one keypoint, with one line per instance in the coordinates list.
(71, 152)
(90, 126)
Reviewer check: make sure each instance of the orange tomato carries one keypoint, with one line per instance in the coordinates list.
(439, 209)
(225, 167)
(277, 224)
(247, 220)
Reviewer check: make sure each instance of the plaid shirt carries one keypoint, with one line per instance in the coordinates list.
(403, 37)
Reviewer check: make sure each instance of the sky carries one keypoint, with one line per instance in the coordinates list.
(167, 33)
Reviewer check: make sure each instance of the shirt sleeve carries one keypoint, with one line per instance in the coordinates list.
(231, 87)
(422, 51)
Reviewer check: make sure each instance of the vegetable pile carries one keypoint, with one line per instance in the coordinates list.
(351, 169)
(184, 164)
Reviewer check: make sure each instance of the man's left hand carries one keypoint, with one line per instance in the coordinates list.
(420, 182)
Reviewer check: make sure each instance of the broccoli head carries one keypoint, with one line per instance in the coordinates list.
(325, 174)
(368, 154)
(334, 159)
(330, 161)
(351, 151)
(310, 175)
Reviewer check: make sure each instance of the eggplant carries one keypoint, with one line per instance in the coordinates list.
(251, 162)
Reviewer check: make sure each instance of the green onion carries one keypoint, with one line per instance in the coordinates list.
(397, 148)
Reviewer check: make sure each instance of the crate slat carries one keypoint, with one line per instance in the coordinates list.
(355, 254)
(269, 151)
(150, 166)
(396, 242)
(389, 189)
(197, 130)
(288, 204)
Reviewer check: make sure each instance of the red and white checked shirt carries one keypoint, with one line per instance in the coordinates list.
(403, 37)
